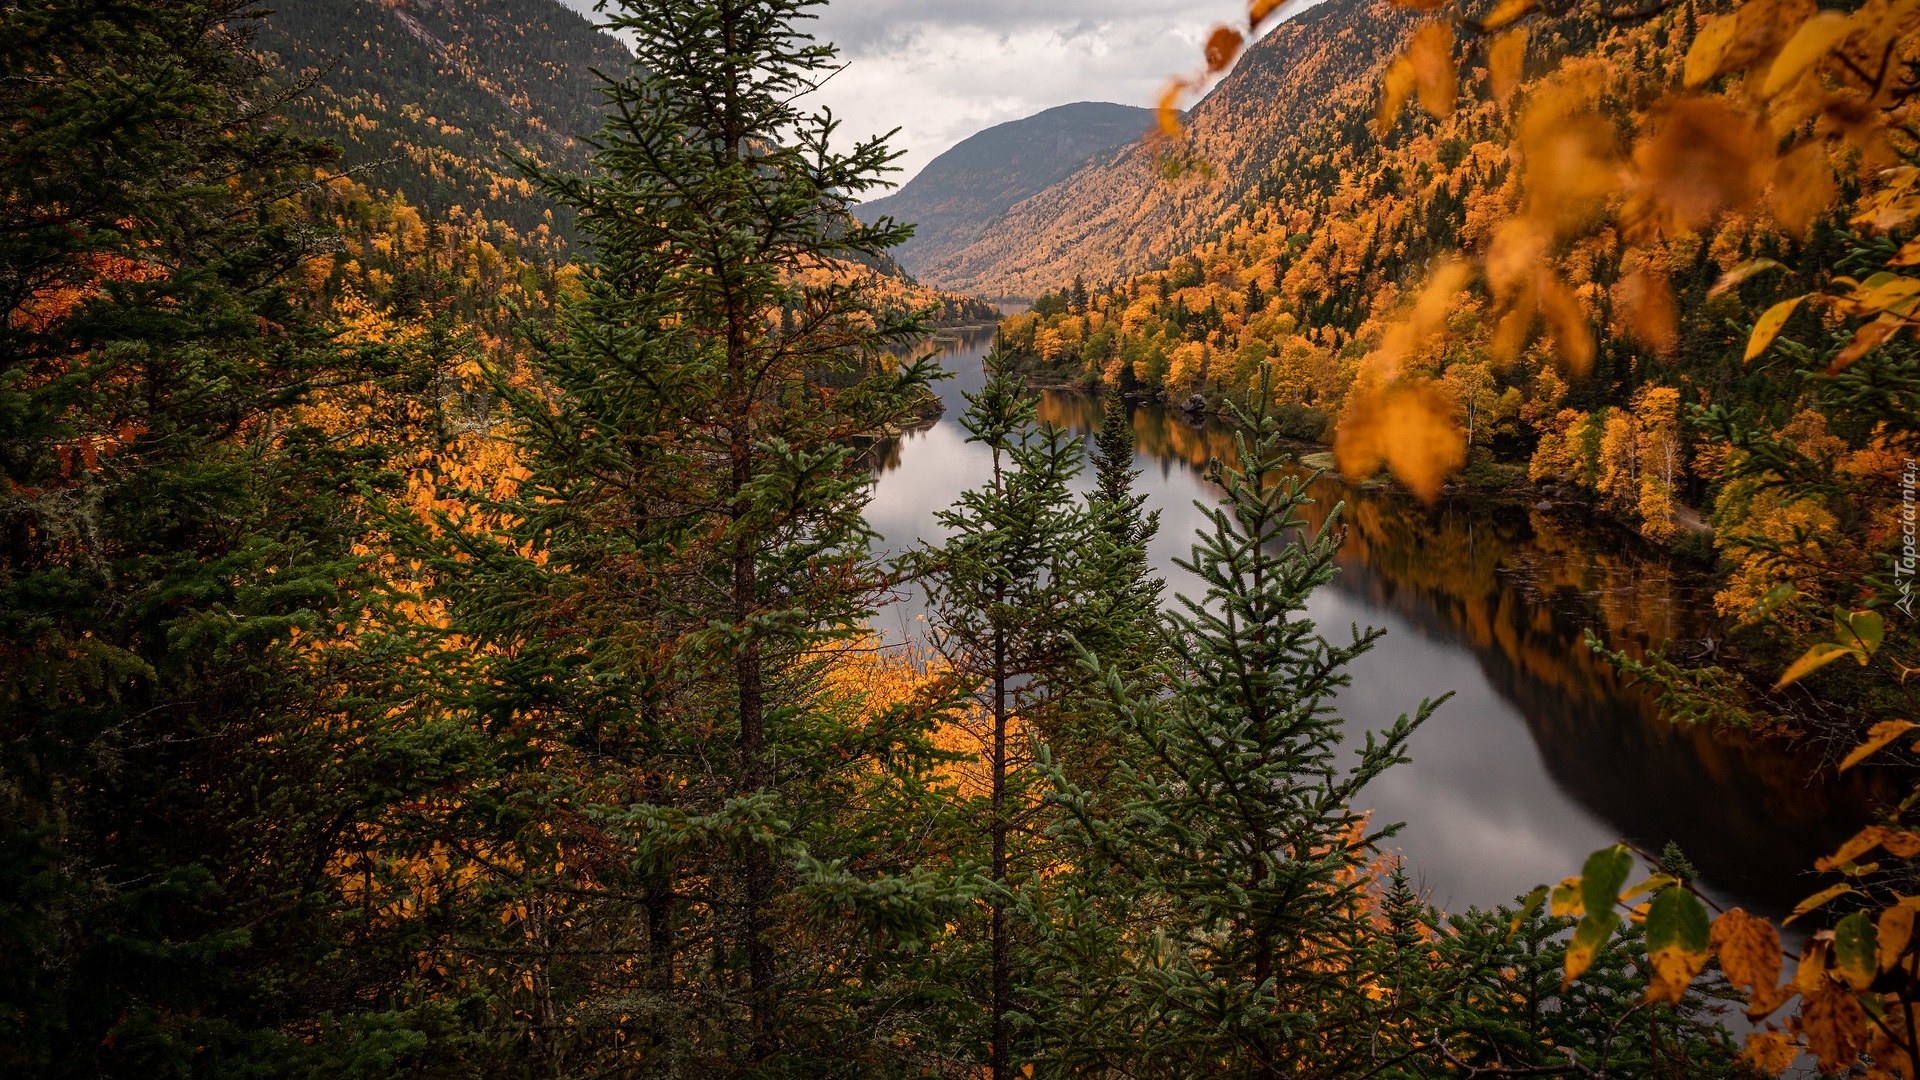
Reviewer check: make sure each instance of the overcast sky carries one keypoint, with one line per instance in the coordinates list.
(940, 70)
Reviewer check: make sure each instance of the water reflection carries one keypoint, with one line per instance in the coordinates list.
(1541, 755)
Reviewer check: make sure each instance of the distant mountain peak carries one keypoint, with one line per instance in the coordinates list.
(963, 192)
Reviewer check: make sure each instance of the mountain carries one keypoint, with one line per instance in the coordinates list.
(1303, 92)
(430, 98)
(965, 191)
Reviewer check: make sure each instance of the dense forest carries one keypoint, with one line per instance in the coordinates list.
(442, 645)
(1676, 433)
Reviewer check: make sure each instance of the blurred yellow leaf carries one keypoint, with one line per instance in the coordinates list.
(1865, 340)
(1396, 86)
(1703, 157)
(1505, 12)
(1734, 277)
(1652, 314)
(1410, 428)
(1168, 112)
(1908, 255)
(1259, 10)
(1506, 61)
(1566, 900)
(1431, 54)
(1878, 737)
(1222, 46)
(1710, 45)
(1803, 186)
(1572, 337)
(1769, 326)
(1657, 881)
(1808, 46)
(1830, 1018)
(1751, 34)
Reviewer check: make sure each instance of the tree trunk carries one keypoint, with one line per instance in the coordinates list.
(1001, 1056)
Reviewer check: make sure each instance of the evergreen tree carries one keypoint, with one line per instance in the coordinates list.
(194, 729)
(680, 567)
(1077, 297)
(1010, 590)
(1235, 818)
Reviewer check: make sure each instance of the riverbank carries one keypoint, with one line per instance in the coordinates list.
(1543, 750)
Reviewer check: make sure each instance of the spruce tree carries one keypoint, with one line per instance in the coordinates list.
(193, 727)
(1010, 590)
(1234, 819)
(682, 564)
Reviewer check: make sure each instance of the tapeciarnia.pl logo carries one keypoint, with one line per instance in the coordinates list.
(1904, 563)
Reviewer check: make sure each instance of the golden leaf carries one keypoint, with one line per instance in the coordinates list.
(1908, 255)
(1809, 45)
(1396, 84)
(1703, 157)
(1222, 46)
(1769, 327)
(1815, 658)
(1431, 53)
(1258, 10)
(1710, 44)
(1803, 187)
(1864, 340)
(1896, 931)
(1831, 1019)
(1771, 1051)
(1410, 428)
(1810, 975)
(1566, 900)
(1878, 737)
(1506, 61)
(1753, 33)
(1858, 844)
(1569, 151)
(1734, 277)
(1168, 112)
(1652, 314)
(1505, 12)
(1572, 337)
(1819, 900)
(1749, 952)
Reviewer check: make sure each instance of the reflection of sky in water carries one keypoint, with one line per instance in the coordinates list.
(1490, 809)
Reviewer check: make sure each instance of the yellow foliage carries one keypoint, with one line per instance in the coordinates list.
(1408, 427)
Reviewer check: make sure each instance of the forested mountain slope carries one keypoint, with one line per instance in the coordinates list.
(1299, 96)
(432, 97)
(964, 192)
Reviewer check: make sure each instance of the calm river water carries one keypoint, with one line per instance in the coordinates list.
(1542, 755)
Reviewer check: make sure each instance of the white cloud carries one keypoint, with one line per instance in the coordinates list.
(941, 70)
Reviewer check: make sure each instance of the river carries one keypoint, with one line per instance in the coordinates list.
(1541, 755)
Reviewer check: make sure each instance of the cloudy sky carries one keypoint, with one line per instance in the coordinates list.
(940, 70)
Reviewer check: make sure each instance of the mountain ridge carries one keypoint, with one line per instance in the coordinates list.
(965, 190)
(1311, 81)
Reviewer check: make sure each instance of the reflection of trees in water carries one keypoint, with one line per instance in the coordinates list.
(886, 454)
(1519, 588)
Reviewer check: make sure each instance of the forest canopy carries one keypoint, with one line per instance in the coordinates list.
(444, 645)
